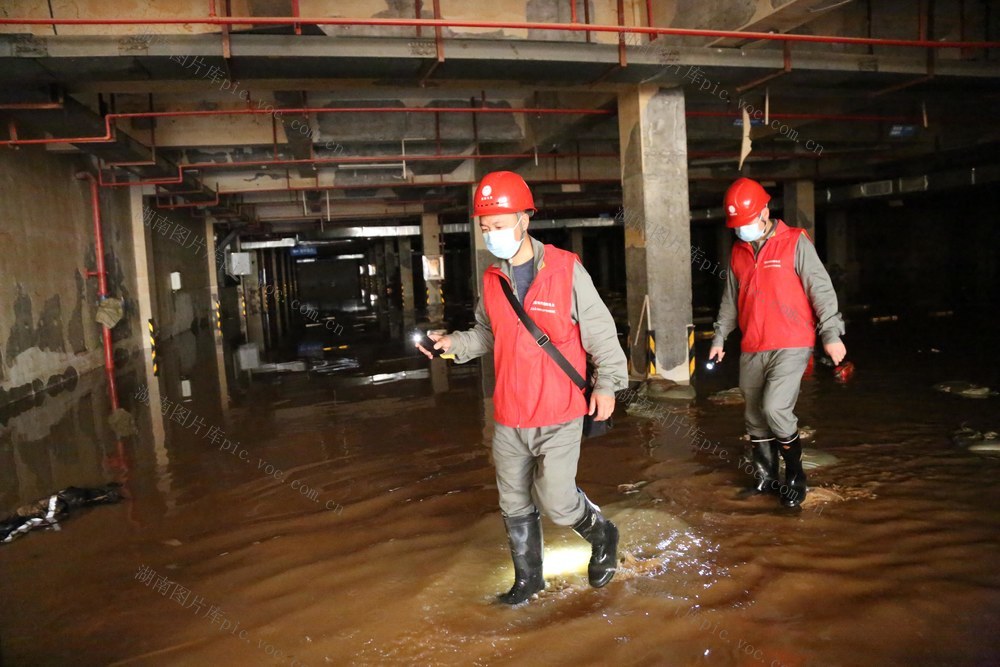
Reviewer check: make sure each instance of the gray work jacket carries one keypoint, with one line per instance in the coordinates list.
(597, 329)
(815, 281)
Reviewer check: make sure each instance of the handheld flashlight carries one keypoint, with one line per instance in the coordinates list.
(422, 339)
(710, 364)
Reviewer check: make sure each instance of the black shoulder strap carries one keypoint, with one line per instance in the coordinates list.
(541, 337)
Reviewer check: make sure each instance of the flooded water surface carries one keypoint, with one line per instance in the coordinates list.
(350, 518)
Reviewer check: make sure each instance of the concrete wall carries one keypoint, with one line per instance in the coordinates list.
(177, 244)
(47, 302)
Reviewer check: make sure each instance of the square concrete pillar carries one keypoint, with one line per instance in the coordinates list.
(481, 259)
(800, 205)
(840, 264)
(653, 136)
(576, 242)
(406, 281)
(430, 230)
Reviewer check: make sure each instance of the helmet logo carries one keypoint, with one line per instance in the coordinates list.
(487, 190)
(732, 210)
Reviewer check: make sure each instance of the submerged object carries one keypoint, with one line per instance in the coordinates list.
(732, 396)
(814, 458)
(976, 441)
(50, 510)
(660, 388)
(964, 389)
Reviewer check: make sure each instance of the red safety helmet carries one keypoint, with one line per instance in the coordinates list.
(502, 192)
(744, 201)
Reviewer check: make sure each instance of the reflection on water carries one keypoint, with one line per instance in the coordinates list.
(338, 519)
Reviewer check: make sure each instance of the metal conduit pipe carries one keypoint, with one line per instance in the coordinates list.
(112, 117)
(229, 21)
(102, 284)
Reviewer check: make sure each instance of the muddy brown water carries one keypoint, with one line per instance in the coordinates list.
(380, 541)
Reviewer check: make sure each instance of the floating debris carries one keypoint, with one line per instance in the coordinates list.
(122, 423)
(630, 488)
(659, 388)
(50, 510)
(821, 495)
(976, 441)
(732, 396)
(814, 458)
(964, 389)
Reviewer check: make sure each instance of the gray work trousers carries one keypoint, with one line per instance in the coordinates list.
(536, 468)
(770, 382)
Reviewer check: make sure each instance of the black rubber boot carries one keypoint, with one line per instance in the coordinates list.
(794, 490)
(524, 533)
(603, 538)
(764, 452)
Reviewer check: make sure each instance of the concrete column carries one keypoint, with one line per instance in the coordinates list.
(430, 230)
(480, 256)
(391, 272)
(604, 265)
(380, 274)
(406, 281)
(142, 242)
(381, 307)
(280, 303)
(253, 301)
(800, 205)
(267, 300)
(653, 140)
(838, 258)
(481, 259)
(576, 242)
(392, 289)
(724, 249)
(286, 289)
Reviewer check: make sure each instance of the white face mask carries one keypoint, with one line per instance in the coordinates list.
(501, 242)
(750, 233)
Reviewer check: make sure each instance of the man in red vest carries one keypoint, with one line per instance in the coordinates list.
(537, 408)
(781, 295)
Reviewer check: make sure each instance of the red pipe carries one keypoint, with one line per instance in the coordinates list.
(649, 17)
(572, 11)
(513, 25)
(102, 284)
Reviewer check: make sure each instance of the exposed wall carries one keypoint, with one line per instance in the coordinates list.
(178, 244)
(47, 302)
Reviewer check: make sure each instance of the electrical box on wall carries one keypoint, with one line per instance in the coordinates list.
(175, 281)
(239, 264)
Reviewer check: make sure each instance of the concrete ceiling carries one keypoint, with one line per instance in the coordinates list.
(841, 112)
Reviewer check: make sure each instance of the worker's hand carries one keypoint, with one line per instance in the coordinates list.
(837, 352)
(716, 352)
(441, 342)
(604, 405)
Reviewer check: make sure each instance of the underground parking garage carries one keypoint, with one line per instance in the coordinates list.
(316, 316)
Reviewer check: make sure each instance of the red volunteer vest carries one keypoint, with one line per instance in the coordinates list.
(774, 311)
(531, 390)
